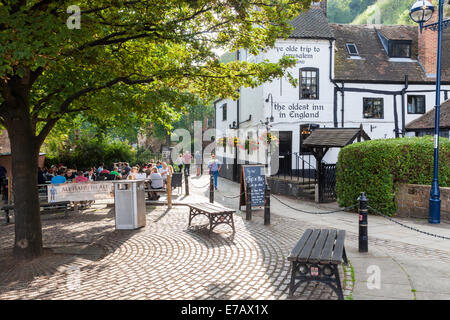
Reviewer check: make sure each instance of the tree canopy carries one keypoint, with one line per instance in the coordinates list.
(112, 58)
(133, 56)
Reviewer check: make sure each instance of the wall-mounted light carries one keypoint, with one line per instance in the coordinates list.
(271, 106)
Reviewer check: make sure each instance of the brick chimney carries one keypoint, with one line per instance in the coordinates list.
(322, 4)
(428, 48)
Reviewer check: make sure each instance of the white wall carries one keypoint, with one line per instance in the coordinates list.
(290, 112)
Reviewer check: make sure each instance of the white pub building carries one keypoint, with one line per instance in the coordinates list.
(375, 76)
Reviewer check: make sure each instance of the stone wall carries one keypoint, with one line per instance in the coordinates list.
(412, 201)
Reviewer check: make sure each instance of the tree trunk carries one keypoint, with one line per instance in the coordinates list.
(25, 153)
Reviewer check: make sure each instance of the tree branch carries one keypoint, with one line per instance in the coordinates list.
(64, 108)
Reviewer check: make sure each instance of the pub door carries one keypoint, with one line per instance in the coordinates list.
(285, 152)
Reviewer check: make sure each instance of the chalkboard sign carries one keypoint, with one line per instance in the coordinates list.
(253, 174)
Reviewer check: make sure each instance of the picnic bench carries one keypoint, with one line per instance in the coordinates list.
(43, 203)
(215, 213)
(316, 257)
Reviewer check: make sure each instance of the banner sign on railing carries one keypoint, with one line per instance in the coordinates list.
(82, 191)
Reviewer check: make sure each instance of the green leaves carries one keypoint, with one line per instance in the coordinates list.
(149, 58)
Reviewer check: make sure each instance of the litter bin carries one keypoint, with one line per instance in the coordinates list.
(129, 200)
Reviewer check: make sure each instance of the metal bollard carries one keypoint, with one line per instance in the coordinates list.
(267, 205)
(249, 203)
(363, 237)
(186, 181)
(211, 189)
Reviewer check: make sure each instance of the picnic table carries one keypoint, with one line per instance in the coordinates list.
(216, 214)
(316, 257)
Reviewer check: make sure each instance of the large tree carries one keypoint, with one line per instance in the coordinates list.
(144, 57)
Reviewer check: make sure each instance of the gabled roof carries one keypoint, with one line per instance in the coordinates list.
(427, 120)
(375, 64)
(334, 137)
(312, 24)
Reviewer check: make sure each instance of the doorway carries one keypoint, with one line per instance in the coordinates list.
(285, 152)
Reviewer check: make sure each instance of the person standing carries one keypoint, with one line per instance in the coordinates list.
(198, 162)
(187, 158)
(179, 162)
(214, 166)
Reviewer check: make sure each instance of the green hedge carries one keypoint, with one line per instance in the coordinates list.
(378, 166)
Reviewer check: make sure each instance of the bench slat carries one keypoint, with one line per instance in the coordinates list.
(306, 251)
(338, 248)
(203, 207)
(210, 208)
(328, 247)
(220, 209)
(295, 252)
(318, 247)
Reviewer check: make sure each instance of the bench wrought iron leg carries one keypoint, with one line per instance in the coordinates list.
(190, 217)
(210, 224)
(339, 292)
(345, 257)
(7, 216)
(292, 284)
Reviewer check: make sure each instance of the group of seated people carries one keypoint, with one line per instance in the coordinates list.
(156, 172)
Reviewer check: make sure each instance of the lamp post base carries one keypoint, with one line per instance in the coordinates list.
(434, 211)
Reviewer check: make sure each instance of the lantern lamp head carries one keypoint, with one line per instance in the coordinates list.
(421, 11)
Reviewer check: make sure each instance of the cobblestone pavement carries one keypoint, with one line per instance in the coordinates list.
(86, 258)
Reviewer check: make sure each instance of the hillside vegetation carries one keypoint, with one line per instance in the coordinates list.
(372, 11)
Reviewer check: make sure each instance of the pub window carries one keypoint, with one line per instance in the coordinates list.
(400, 49)
(305, 132)
(224, 112)
(309, 83)
(373, 108)
(416, 104)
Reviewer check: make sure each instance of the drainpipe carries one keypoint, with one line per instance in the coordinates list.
(343, 103)
(336, 89)
(403, 106)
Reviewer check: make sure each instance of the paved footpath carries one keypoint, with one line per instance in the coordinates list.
(408, 265)
(86, 258)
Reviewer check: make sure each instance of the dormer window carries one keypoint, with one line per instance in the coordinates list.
(352, 49)
(397, 45)
(400, 49)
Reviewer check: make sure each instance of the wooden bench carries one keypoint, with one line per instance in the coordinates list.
(216, 214)
(316, 257)
(45, 205)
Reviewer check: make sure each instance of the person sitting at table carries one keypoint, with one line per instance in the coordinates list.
(50, 174)
(133, 172)
(41, 176)
(126, 170)
(80, 177)
(156, 183)
(116, 172)
(105, 171)
(69, 175)
(58, 179)
(90, 174)
(100, 168)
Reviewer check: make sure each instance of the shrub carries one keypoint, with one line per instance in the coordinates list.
(90, 152)
(378, 166)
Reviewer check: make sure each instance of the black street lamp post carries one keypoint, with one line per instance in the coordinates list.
(421, 12)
